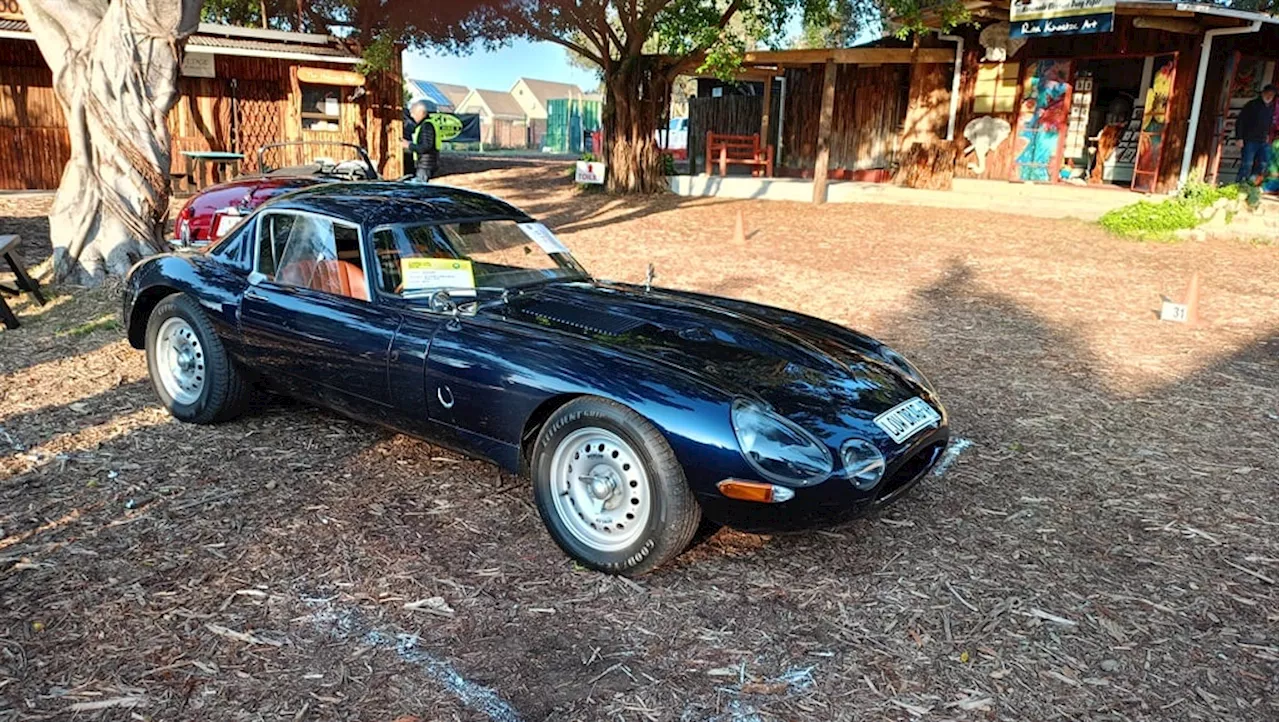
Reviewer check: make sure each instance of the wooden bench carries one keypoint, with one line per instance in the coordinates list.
(9, 244)
(725, 150)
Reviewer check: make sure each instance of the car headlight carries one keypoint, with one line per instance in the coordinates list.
(863, 462)
(908, 368)
(778, 449)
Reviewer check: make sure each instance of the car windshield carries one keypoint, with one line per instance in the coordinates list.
(415, 261)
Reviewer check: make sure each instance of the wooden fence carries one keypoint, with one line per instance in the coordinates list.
(866, 122)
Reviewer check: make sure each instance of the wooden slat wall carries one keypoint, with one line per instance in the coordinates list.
(731, 114)
(269, 101)
(929, 102)
(870, 102)
(999, 161)
(34, 130)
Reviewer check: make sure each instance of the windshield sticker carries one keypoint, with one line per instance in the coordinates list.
(543, 236)
(419, 273)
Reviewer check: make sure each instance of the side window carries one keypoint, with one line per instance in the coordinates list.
(233, 247)
(312, 252)
(273, 235)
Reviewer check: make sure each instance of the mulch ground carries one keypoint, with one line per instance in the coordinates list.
(1106, 549)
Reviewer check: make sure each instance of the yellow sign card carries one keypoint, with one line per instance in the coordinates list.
(419, 273)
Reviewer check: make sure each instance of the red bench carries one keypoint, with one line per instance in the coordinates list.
(725, 150)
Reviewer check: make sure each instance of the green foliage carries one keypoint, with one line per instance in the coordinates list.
(1157, 221)
(379, 54)
(1203, 195)
(668, 165)
(1151, 221)
(1253, 196)
(916, 17)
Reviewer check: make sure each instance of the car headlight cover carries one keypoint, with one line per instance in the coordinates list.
(778, 449)
(863, 462)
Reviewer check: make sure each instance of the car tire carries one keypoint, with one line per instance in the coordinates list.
(192, 374)
(610, 490)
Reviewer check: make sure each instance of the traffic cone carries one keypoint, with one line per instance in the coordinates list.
(1192, 299)
(739, 235)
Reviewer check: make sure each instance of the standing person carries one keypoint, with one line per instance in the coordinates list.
(426, 156)
(1253, 130)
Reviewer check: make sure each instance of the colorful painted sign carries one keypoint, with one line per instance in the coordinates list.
(1155, 117)
(1041, 18)
(1042, 120)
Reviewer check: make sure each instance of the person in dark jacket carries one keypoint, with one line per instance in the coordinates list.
(1253, 130)
(422, 143)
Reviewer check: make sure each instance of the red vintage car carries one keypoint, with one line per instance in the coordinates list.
(211, 213)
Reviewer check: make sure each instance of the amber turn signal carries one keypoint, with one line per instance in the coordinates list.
(754, 491)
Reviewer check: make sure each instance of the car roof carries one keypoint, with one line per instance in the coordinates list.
(378, 203)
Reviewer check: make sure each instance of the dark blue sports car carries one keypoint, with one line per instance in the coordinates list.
(453, 316)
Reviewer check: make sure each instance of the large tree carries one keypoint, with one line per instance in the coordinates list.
(115, 72)
(640, 46)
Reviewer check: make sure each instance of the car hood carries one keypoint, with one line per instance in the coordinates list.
(821, 375)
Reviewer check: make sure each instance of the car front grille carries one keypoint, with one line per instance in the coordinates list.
(910, 470)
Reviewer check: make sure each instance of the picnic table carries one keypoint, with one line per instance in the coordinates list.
(219, 161)
(9, 244)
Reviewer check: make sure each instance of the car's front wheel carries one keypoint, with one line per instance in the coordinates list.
(193, 375)
(609, 488)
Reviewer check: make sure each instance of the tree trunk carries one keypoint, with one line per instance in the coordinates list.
(115, 72)
(633, 99)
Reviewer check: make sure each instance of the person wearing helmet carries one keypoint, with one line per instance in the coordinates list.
(422, 143)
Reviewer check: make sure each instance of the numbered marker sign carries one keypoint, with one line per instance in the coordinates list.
(1170, 311)
(589, 172)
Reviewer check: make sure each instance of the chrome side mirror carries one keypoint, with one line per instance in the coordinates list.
(442, 302)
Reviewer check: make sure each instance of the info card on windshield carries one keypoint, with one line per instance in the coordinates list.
(543, 236)
(420, 273)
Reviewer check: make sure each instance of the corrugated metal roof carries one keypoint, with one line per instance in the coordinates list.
(246, 41)
(265, 46)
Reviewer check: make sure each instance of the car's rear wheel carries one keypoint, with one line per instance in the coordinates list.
(192, 374)
(609, 488)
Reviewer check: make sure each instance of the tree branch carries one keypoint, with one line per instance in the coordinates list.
(683, 61)
(62, 27)
(552, 38)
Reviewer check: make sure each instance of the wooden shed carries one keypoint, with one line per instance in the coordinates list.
(1147, 105)
(241, 88)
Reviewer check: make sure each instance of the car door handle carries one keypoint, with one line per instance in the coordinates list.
(254, 295)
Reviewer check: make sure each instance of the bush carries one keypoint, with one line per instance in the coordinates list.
(1158, 221)
(1152, 221)
(668, 165)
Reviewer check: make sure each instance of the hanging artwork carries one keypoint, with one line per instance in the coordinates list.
(1247, 76)
(1042, 120)
(1155, 118)
(984, 134)
(997, 44)
(1271, 183)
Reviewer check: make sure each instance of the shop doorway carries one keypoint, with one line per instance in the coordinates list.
(1106, 120)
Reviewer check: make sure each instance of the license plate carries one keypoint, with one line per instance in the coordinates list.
(904, 420)
(224, 222)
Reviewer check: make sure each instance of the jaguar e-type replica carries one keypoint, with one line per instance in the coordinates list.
(455, 317)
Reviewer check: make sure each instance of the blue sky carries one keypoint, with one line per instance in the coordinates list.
(499, 69)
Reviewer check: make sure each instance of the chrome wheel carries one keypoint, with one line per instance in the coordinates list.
(180, 361)
(600, 489)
